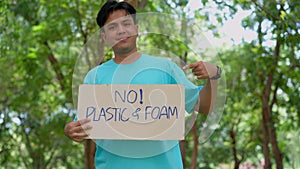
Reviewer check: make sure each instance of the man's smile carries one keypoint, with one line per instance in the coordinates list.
(123, 38)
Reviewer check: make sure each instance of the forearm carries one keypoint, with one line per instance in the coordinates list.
(208, 94)
(207, 97)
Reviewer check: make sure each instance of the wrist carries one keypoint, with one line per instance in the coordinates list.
(218, 75)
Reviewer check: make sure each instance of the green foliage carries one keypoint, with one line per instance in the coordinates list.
(36, 73)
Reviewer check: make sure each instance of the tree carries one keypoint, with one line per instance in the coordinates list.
(37, 64)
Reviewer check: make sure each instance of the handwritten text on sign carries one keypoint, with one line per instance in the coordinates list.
(153, 112)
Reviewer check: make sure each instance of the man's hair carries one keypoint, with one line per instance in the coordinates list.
(111, 6)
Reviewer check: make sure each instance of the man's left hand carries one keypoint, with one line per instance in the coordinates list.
(202, 70)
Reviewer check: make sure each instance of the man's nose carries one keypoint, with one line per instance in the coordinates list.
(121, 29)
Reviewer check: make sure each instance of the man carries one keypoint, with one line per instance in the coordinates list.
(119, 30)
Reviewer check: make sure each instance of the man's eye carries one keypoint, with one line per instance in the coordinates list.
(111, 28)
(127, 24)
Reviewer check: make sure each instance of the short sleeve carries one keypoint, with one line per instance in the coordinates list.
(90, 77)
(191, 90)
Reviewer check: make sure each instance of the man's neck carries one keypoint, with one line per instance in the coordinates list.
(127, 58)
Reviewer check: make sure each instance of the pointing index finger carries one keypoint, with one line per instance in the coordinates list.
(190, 66)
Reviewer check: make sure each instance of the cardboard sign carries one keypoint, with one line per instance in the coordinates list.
(133, 112)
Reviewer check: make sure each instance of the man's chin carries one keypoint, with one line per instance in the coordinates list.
(123, 50)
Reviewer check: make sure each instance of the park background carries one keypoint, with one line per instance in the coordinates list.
(40, 42)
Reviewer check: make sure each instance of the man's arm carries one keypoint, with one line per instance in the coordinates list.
(208, 94)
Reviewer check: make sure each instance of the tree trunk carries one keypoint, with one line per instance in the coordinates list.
(89, 154)
(237, 161)
(267, 109)
(55, 66)
(195, 147)
(269, 129)
(265, 136)
(272, 129)
(134, 3)
(266, 149)
(142, 4)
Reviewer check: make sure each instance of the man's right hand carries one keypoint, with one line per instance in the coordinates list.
(75, 130)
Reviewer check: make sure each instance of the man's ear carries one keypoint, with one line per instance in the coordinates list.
(103, 36)
(137, 29)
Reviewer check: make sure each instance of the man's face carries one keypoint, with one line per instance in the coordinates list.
(120, 32)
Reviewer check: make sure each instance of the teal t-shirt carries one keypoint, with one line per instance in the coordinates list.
(136, 154)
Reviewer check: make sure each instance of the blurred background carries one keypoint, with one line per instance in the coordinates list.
(257, 42)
